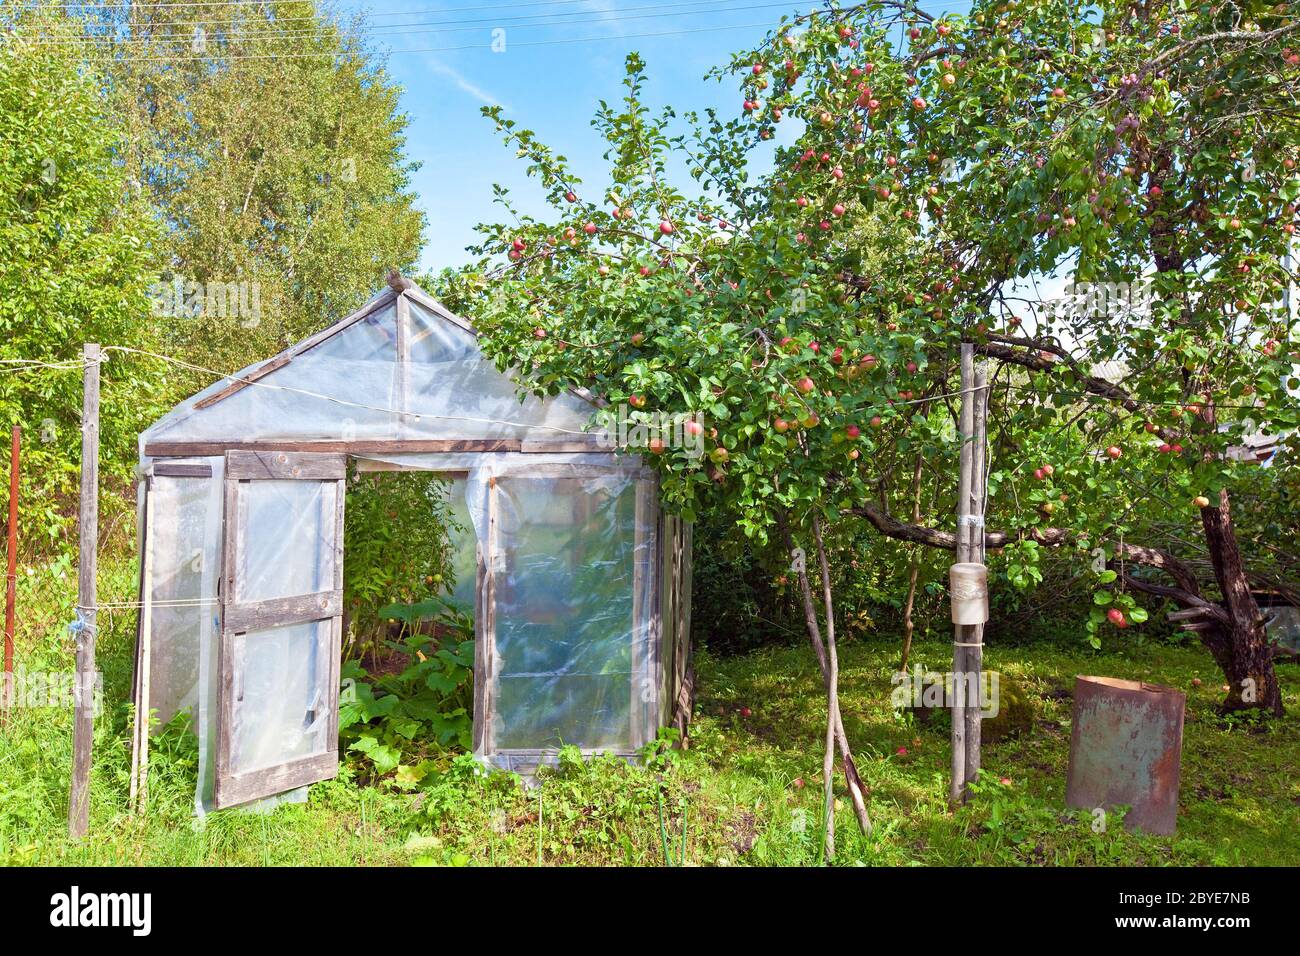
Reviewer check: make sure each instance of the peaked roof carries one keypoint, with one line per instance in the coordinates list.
(400, 368)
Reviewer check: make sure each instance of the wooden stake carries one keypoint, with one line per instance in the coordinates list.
(83, 724)
(140, 749)
(965, 481)
(11, 577)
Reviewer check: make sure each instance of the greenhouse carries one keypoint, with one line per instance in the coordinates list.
(577, 582)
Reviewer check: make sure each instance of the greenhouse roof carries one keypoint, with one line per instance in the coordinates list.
(402, 373)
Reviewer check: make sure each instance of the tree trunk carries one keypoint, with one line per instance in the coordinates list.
(1248, 663)
(908, 624)
(857, 790)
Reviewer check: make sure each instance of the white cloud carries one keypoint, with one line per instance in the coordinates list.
(463, 83)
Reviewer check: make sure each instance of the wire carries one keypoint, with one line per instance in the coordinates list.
(94, 39)
(403, 413)
(403, 29)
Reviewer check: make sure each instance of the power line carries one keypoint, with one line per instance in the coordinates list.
(450, 49)
(545, 19)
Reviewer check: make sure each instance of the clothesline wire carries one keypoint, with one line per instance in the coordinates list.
(30, 364)
(416, 416)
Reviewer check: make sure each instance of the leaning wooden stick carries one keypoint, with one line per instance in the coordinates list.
(11, 578)
(140, 748)
(83, 720)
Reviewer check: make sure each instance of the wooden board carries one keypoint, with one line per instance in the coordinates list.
(244, 465)
(395, 446)
(165, 469)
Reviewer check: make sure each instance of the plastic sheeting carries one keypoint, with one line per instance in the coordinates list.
(570, 645)
(352, 386)
(283, 699)
(185, 566)
(286, 539)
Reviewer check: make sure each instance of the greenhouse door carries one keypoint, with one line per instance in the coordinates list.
(281, 621)
(567, 651)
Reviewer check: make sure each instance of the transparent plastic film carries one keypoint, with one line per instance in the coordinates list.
(573, 660)
(185, 543)
(282, 696)
(362, 384)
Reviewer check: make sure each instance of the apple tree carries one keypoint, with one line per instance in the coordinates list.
(802, 303)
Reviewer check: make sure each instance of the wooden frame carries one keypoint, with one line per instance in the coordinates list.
(240, 617)
(181, 470)
(396, 446)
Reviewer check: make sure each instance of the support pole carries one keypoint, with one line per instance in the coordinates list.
(973, 635)
(965, 481)
(967, 652)
(83, 723)
(11, 577)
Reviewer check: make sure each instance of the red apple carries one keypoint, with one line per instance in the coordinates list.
(571, 196)
(1116, 617)
(805, 385)
(1114, 451)
(590, 229)
(853, 431)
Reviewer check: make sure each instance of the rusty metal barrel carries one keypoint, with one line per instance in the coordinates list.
(1126, 749)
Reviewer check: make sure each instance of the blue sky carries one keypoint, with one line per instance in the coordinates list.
(442, 55)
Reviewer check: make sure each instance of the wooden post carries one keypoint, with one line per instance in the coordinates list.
(965, 481)
(11, 577)
(973, 636)
(83, 725)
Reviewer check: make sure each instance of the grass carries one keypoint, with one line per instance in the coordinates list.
(734, 792)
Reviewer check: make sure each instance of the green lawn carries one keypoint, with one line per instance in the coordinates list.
(734, 789)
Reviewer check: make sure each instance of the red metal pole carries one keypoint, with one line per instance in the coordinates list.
(11, 574)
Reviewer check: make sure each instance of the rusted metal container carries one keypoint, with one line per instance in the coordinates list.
(1125, 749)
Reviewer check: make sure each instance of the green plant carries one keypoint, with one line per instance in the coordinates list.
(406, 723)
(398, 528)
